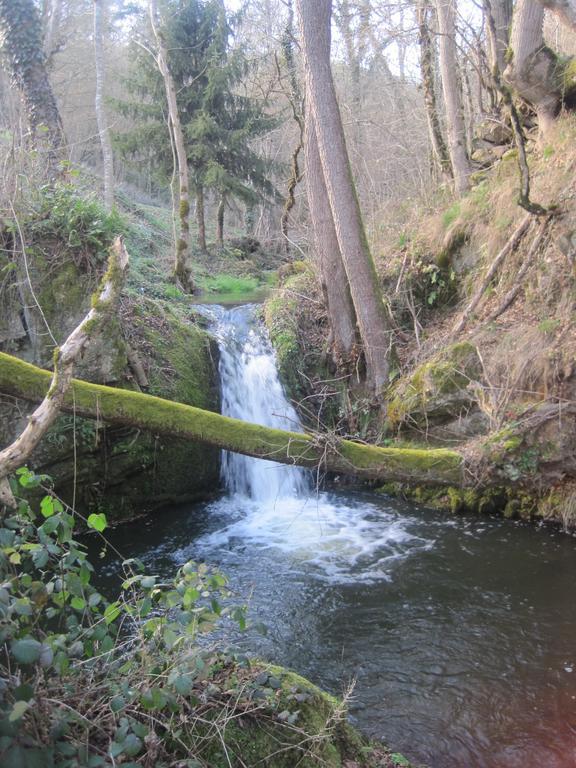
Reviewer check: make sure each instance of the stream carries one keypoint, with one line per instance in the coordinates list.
(458, 633)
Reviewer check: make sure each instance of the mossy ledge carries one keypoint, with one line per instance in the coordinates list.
(436, 466)
(556, 505)
(297, 724)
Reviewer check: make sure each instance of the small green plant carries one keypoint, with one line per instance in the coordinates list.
(403, 240)
(172, 291)
(450, 215)
(549, 325)
(548, 152)
(58, 213)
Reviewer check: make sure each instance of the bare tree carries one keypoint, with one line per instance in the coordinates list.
(315, 18)
(439, 148)
(52, 28)
(103, 130)
(182, 270)
(446, 11)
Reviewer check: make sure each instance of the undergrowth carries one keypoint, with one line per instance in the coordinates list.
(86, 681)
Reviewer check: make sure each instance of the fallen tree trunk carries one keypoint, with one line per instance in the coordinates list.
(435, 466)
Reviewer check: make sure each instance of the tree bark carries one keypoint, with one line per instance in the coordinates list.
(498, 39)
(533, 70)
(439, 148)
(360, 270)
(564, 9)
(201, 218)
(135, 409)
(220, 221)
(22, 45)
(16, 454)
(103, 130)
(182, 271)
(51, 30)
(446, 12)
(327, 251)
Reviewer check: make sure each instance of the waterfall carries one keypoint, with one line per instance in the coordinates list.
(251, 391)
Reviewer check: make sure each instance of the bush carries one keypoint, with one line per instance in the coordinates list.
(85, 679)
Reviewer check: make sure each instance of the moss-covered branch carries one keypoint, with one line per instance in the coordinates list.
(117, 406)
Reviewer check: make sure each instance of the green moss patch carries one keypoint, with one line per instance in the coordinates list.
(438, 389)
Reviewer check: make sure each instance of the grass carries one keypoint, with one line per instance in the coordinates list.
(230, 284)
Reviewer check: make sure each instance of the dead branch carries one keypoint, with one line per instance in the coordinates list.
(511, 245)
(513, 292)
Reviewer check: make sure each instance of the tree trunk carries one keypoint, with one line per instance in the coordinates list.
(220, 221)
(52, 27)
(452, 95)
(21, 35)
(439, 148)
(200, 218)
(533, 71)
(564, 9)
(360, 270)
(295, 98)
(103, 130)
(182, 271)
(498, 42)
(328, 257)
(135, 409)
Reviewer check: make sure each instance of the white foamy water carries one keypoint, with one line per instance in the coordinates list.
(275, 506)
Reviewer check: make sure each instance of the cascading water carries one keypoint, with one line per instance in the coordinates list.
(251, 391)
(275, 505)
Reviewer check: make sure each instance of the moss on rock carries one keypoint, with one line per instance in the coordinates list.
(438, 390)
(296, 724)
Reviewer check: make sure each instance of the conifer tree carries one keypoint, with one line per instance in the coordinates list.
(219, 123)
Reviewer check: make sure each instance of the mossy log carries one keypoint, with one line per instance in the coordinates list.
(118, 406)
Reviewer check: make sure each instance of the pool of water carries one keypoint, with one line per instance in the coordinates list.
(458, 632)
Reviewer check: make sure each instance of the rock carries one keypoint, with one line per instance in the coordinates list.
(493, 131)
(488, 155)
(439, 391)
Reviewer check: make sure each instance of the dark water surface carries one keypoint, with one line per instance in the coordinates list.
(459, 632)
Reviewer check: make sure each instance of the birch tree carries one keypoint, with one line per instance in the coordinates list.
(103, 130)
(315, 16)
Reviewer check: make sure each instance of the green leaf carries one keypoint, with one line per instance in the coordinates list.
(27, 650)
(78, 603)
(112, 612)
(47, 506)
(18, 710)
(97, 521)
